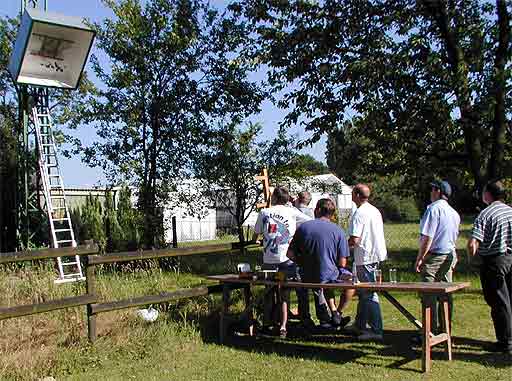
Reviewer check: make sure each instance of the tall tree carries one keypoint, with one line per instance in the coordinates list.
(173, 69)
(430, 80)
(228, 165)
(8, 141)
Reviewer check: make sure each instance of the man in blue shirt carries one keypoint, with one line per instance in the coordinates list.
(439, 229)
(320, 247)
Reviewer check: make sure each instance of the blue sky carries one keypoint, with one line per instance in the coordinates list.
(74, 172)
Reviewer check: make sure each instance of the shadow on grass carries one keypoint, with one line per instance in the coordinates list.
(317, 346)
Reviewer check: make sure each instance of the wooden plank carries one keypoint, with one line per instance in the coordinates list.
(441, 338)
(144, 300)
(53, 305)
(423, 287)
(90, 283)
(48, 253)
(226, 248)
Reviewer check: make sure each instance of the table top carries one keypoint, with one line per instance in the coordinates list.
(423, 287)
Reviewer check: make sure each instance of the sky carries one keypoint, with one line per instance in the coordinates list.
(77, 174)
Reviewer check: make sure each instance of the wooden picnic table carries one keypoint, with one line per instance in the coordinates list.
(424, 289)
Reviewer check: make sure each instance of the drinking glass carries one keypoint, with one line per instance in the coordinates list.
(378, 276)
(392, 276)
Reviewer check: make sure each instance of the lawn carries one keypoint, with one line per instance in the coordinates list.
(182, 344)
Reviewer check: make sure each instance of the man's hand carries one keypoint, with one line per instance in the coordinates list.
(417, 265)
(473, 245)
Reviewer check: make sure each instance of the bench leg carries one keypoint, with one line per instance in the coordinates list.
(226, 293)
(249, 308)
(426, 360)
(447, 327)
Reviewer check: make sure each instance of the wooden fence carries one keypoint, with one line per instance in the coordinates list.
(91, 259)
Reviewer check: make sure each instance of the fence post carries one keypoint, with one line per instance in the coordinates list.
(90, 282)
(174, 232)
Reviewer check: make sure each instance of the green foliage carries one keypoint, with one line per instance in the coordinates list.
(414, 86)
(129, 221)
(8, 142)
(173, 70)
(393, 200)
(92, 226)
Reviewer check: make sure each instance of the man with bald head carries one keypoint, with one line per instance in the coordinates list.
(366, 231)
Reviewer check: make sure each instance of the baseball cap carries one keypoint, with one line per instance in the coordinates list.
(443, 186)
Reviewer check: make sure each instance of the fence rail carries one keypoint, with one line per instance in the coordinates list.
(90, 298)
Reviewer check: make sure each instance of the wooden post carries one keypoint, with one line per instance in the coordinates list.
(174, 232)
(447, 326)
(426, 308)
(90, 273)
(249, 308)
(226, 293)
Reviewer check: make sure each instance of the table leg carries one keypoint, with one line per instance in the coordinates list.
(226, 293)
(426, 360)
(249, 308)
(447, 327)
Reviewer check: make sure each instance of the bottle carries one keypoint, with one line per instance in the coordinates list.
(355, 280)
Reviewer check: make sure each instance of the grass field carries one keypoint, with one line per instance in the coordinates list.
(182, 344)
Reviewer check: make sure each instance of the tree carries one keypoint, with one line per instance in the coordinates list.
(129, 220)
(8, 141)
(173, 70)
(227, 167)
(428, 81)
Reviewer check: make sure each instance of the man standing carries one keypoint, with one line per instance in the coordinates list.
(491, 239)
(436, 259)
(320, 248)
(278, 224)
(366, 231)
(302, 203)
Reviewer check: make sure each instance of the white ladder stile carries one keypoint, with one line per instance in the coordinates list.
(61, 229)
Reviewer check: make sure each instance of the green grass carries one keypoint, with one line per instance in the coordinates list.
(182, 344)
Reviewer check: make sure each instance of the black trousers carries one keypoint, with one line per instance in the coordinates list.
(496, 278)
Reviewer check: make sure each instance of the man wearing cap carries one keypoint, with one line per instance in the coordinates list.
(439, 229)
(491, 239)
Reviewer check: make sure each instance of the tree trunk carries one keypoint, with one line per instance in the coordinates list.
(496, 161)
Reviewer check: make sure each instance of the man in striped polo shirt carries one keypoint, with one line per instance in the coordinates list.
(492, 241)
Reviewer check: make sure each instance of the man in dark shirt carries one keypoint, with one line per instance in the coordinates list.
(320, 247)
(491, 240)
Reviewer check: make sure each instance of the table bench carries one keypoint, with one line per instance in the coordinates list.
(424, 289)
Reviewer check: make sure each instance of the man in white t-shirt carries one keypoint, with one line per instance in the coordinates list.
(278, 224)
(366, 231)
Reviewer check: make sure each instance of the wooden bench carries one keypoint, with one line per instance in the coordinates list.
(439, 289)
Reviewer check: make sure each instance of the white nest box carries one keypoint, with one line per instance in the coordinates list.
(50, 50)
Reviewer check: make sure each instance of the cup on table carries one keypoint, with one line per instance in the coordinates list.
(393, 276)
(378, 275)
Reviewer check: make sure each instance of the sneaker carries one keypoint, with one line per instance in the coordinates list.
(308, 324)
(370, 336)
(335, 318)
(352, 329)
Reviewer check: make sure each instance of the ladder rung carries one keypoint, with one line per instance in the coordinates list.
(69, 263)
(60, 219)
(58, 197)
(64, 241)
(62, 230)
(53, 175)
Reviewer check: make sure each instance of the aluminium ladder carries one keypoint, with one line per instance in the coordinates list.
(61, 229)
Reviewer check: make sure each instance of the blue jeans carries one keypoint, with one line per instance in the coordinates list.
(368, 308)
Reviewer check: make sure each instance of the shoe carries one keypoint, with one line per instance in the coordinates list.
(352, 329)
(282, 333)
(335, 318)
(308, 324)
(500, 347)
(326, 325)
(370, 336)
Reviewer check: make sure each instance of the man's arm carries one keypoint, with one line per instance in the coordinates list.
(425, 244)
(473, 245)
